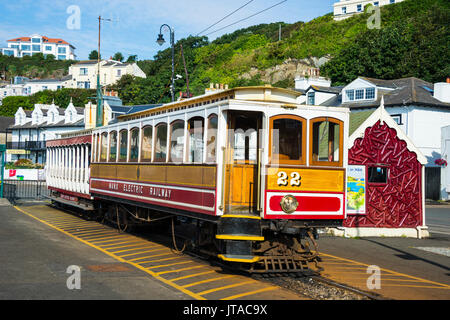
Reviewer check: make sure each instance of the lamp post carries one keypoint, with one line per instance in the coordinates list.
(161, 41)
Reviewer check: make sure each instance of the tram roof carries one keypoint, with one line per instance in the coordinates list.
(265, 93)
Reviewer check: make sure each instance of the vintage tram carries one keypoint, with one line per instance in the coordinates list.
(248, 173)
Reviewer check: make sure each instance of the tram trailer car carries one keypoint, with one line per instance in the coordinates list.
(249, 173)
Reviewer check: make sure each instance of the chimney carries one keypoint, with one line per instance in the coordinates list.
(442, 91)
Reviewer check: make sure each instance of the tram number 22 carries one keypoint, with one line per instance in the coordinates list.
(283, 179)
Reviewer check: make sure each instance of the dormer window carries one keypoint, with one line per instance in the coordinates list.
(53, 117)
(360, 94)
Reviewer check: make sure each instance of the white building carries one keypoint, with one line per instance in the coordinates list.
(33, 86)
(346, 8)
(27, 46)
(33, 128)
(420, 109)
(445, 169)
(84, 73)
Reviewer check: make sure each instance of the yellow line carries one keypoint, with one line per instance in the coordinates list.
(95, 235)
(193, 275)
(387, 270)
(406, 285)
(99, 237)
(133, 254)
(169, 265)
(153, 274)
(165, 259)
(250, 293)
(154, 255)
(138, 248)
(134, 243)
(226, 287)
(179, 270)
(106, 241)
(67, 224)
(76, 229)
(207, 280)
(91, 232)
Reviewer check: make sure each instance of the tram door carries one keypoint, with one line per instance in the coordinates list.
(242, 162)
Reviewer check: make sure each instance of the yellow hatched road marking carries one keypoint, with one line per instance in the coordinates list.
(113, 239)
(250, 293)
(179, 270)
(208, 280)
(193, 275)
(108, 234)
(76, 229)
(105, 238)
(160, 260)
(390, 271)
(153, 274)
(114, 245)
(66, 224)
(154, 255)
(169, 265)
(136, 253)
(92, 232)
(138, 248)
(61, 220)
(226, 287)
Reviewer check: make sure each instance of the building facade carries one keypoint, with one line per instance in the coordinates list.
(84, 73)
(27, 46)
(32, 129)
(347, 8)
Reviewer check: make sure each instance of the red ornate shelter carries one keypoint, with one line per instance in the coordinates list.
(397, 201)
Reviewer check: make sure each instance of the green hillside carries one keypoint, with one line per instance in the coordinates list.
(413, 41)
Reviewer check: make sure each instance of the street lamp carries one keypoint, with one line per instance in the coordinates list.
(161, 41)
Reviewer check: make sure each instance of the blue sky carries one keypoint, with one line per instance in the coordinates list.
(137, 22)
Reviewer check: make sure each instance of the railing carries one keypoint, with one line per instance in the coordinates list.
(14, 190)
(27, 145)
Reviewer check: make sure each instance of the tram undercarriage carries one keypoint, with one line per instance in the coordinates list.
(282, 247)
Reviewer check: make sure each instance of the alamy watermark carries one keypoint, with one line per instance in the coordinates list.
(73, 22)
(74, 280)
(374, 21)
(374, 280)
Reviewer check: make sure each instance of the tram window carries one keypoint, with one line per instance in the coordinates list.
(134, 145)
(245, 139)
(104, 147)
(177, 141)
(113, 146)
(161, 143)
(287, 139)
(326, 141)
(195, 126)
(211, 140)
(146, 148)
(123, 143)
(98, 148)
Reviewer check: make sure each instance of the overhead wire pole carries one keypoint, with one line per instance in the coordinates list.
(99, 118)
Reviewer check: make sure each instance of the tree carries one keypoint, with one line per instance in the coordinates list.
(93, 55)
(118, 56)
(132, 58)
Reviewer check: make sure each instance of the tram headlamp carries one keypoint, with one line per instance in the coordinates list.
(289, 203)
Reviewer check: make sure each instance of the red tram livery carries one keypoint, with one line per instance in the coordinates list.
(248, 173)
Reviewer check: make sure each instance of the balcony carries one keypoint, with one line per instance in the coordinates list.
(26, 145)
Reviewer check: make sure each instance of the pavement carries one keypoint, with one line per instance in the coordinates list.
(411, 268)
(38, 244)
(35, 260)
